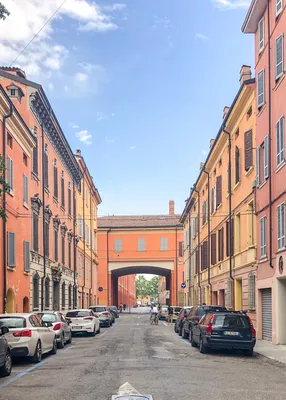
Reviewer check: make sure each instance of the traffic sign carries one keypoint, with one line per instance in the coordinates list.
(167, 294)
(183, 285)
(100, 289)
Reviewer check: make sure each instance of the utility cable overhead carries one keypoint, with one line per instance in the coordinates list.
(34, 37)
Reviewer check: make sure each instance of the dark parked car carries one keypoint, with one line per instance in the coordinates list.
(195, 315)
(224, 330)
(178, 327)
(114, 311)
(5, 356)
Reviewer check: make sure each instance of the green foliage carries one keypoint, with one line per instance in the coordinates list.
(3, 185)
(145, 287)
(3, 12)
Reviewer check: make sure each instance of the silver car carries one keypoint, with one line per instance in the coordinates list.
(61, 326)
(105, 316)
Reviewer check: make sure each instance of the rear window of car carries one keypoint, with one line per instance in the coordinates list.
(77, 314)
(113, 308)
(231, 321)
(99, 309)
(48, 317)
(13, 322)
(177, 309)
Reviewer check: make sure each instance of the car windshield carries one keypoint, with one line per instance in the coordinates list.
(77, 314)
(99, 309)
(48, 317)
(231, 321)
(177, 309)
(113, 308)
(13, 322)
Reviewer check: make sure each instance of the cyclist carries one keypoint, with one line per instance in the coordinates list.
(154, 314)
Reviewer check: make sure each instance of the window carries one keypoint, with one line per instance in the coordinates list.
(56, 189)
(249, 112)
(118, 245)
(70, 254)
(261, 35)
(250, 224)
(164, 242)
(26, 256)
(63, 249)
(204, 210)
(36, 289)
(26, 190)
(47, 293)
(62, 190)
(237, 233)
(181, 249)
(35, 232)
(69, 200)
(35, 152)
(263, 237)
(141, 244)
(218, 190)
(11, 245)
(281, 226)
(237, 165)
(266, 157)
(47, 238)
(236, 135)
(251, 291)
(278, 7)
(25, 159)
(248, 154)
(229, 238)
(280, 141)
(56, 237)
(12, 92)
(187, 241)
(9, 140)
(221, 244)
(279, 57)
(46, 169)
(63, 295)
(204, 256)
(87, 238)
(70, 296)
(10, 173)
(260, 90)
(80, 226)
(213, 248)
(213, 198)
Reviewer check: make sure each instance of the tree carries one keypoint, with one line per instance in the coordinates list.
(153, 286)
(4, 187)
(3, 12)
(145, 287)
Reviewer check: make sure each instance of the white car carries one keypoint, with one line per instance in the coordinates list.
(106, 318)
(83, 320)
(28, 336)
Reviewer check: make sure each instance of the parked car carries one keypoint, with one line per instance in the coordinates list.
(61, 326)
(5, 355)
(114, 310)
(178, 327)
(176, 312)
(163, 312)
(28, 336)
(224, 330)
(83, 321)
(195, 315)
(105, 316)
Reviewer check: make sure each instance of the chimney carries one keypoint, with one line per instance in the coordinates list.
(211, 143)
(225, 111)
(171, 207)
(245, 74)
(201, 165)
(78, 152)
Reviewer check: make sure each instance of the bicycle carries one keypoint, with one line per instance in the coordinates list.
(154, 319)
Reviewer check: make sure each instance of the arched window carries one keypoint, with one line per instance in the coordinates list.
(63, 295)
(70, 296)
(47, 293)
(36, 290)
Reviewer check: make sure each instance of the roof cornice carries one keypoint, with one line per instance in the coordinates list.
(254, 15)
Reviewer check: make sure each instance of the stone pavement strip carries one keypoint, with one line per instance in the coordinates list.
(272, 351)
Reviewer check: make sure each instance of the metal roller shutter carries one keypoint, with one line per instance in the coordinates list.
(266, 297)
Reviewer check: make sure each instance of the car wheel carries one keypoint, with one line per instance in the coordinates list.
(6, 369)
(175, 328)
(184, 335)
(108, 324)
(203, 348)
(98, 330)
(55, 347)
(61, 344)
(180, 331)
(249, 352)
(70, 339)
(193, 343)
(37, 357)
(93, 333)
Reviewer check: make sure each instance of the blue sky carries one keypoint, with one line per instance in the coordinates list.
(144, 93)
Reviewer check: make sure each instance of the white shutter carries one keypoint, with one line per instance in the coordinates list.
(141, 244)
(80, 226)
(260, 89)
(11, 242)
(26, 256)
(257, 166)
(214, 199)
(118, 245)
(280, 141)
(261, 35)
(263, 237)
(164, 242)
(251, 291)
(266, 157)
(10, 174)
(279, 57)
(278, 7)
(26, 194)
(281, 226)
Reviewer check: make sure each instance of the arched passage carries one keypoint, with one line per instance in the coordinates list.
(10, 298)
(26, 304)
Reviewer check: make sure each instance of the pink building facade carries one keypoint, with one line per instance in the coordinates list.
(266, 19)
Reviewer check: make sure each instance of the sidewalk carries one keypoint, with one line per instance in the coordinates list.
(272, 351)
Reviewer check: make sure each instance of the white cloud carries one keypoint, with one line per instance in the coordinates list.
(132, 147)
(164, 22)
(203, 37)
(51, 86)
(88, 67)
(107, 140)
(113, 115)
(204, 152)
(84, 136)
(232, 4)
(75, 126)
(45, 53)
(66, 88)
(81, 77)
(114, 7)
(100, 116)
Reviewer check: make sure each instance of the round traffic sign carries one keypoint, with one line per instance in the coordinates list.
(183, 285)
(100, 289)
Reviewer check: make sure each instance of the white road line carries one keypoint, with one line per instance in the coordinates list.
(103, 334)
(64, 351)
(165, 324)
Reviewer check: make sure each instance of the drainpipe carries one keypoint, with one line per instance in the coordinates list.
(43, 203)
(230, 209)
(177, 272)
(74, 247)
(209, 235)
(84, 244)
(91, 246)
(269, 136)
(4, 208)
(107, 258)
(199, 245)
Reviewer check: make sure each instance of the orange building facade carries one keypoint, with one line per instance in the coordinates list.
(129, 245)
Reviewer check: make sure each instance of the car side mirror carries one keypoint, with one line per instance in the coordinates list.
(4, 330)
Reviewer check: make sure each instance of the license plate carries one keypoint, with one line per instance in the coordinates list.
(230, 333)
(76, 327)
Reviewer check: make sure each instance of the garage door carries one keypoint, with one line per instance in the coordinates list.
(266, 297)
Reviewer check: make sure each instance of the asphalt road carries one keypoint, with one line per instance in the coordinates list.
(153, 360)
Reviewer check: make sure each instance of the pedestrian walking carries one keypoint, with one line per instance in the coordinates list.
(170, 315)
(124, 306)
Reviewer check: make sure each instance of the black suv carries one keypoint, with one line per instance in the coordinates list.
(195, 315)
(224, 330)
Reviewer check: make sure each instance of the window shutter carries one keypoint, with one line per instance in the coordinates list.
(237, 165)
(260, 90)
(69, 201)
(222, 244)
(26, 256)
(26, 194)
(11, 242)
(197, 259)
(118, 245)
(266, 156)
(278, 7)
(213, 248)
(35, 154)
(181, 252)
(35, 232)
(257, 166)
(232, 237)
(56, 189)
(218, 190)
(56, 245)
(280, 141)
(141, 244)
(261, 35)
(251, 291)
(279, 57)
(10, 174)
(63, 250)
(248, 157)
(46, 169)
(227, 238)
(80, 226)
(63, 191)
(212, 201)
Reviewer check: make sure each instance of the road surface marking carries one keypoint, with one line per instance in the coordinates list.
(103, 334)
(64, 351)
(165, 324)
(126, 388)
(114, 325)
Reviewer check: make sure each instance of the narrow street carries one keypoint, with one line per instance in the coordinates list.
(152, 359)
